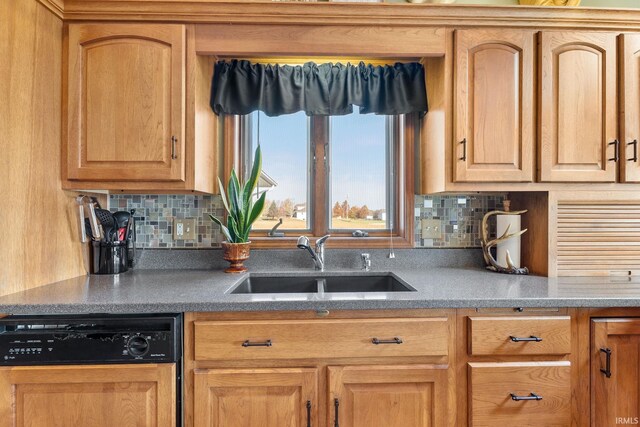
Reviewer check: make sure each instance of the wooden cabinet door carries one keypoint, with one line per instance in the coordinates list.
(91, 395)
(284, 397)
(387, 396)
(494, 96)
(125, 102)
(615, 393)
(578, 111)
(630, 120)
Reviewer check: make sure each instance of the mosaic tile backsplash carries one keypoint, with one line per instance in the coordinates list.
(460, 217)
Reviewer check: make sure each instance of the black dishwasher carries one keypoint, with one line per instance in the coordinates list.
(93, 340)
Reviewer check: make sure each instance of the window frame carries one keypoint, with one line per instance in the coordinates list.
(402, 233)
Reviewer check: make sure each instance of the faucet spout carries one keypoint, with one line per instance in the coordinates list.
(317, 255)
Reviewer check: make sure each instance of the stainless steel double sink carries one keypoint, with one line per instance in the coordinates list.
(321, 284)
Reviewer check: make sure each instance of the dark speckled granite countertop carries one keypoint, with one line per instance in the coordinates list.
(177, 290)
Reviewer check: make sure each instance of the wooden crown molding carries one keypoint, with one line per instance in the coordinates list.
(55, 6)
(325, 13)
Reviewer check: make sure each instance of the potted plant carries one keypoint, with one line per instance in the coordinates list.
(242, 212)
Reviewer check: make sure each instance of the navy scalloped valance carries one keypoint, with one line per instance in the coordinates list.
(241, 87)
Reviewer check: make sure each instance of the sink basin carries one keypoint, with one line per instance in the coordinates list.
(327, 284)
(277, 285)
(365, 284)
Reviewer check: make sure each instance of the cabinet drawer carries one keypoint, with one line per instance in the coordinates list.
(493, 387)
(505, 335)
(304, 339)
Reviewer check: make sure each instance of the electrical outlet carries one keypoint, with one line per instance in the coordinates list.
(431, 229)
(184, 229)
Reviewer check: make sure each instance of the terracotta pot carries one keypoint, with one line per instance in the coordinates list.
(236, 254)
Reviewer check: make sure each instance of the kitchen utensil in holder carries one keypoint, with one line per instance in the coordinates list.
(109, 257)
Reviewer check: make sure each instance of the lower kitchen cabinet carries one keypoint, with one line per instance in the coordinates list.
(615, 371)
(517, 367)
(524, 367)
(315, 369)
(88, 395)
(285, 397)
(387, 396)
(520, 394)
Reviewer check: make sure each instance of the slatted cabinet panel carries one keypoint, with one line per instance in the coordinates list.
(630, 120)
(615, 393)
(494, 97)
(578, 110)
(597, 238)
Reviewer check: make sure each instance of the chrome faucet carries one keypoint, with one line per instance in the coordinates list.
(318, 254)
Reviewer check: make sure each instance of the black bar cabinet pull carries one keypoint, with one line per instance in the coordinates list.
(607, 370)
(464, 149)
(308, 413)
(635, 150)
(616, 152)
(532, 396)
(336, 404)
(531, 338)
(248, 343)
(395, 340)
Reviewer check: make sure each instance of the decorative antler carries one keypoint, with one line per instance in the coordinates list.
(487, 244)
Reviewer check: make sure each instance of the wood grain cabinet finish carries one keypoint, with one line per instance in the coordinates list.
(494, 386)
(630, 102)
(578, 108)
(283, 397)
(387, 396)
(615, 392)
(494, 106)
(96, 396)
(533, 335)
(304, 339)
(125, 102)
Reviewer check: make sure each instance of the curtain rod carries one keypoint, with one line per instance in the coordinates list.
(324, 59)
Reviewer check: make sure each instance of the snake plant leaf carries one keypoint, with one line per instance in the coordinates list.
(252, 182)
(223, 195)
(234, 232)
(242, 212)
(257, 208)
(233, 190)
(235, 200)
(224, 229)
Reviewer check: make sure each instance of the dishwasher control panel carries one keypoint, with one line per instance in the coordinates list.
(29, 340)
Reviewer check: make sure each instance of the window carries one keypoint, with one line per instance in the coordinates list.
(331, 175)
(286, 168)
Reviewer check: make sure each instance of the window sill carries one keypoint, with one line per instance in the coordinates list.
(334, 242)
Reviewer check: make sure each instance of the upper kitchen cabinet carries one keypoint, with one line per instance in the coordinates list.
(578, 111)
(630, 102)
(494, 106)
(131, 108)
